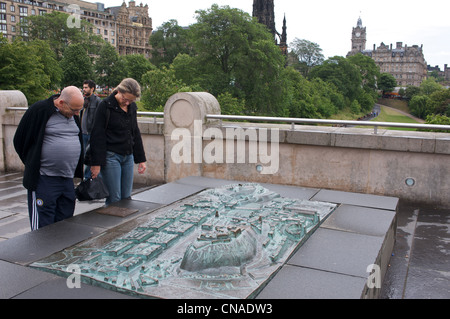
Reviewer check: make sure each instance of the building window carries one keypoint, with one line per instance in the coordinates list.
(2, 7)
(12, 8)
(23, 11)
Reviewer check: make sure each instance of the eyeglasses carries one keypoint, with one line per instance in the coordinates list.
(125, 100)
(74, 111)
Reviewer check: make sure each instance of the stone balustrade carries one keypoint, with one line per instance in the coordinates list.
(407, 164)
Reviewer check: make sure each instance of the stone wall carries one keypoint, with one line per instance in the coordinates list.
(345, 159)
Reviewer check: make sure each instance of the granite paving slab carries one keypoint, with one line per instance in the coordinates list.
(168, 193)
(294, 282)
(35, 245)
(364, 200)
(16, 279)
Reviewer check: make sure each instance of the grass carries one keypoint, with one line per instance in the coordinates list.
(392, 116)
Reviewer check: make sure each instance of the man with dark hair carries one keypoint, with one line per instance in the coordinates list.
(48, 141)
(91, 102)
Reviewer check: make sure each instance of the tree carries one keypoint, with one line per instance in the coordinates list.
(370, 72)
(22, 68)
(136, 65)
(343, 74)
(167, 42)
(109, 67)
(419, 106)
(76, 66)
(159, 85)
(429, 86)
(235, 54)
(49, 62)
(53, 28)
(387, 82)
(307, 55)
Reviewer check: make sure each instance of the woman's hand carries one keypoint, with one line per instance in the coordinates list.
(95, 171)
(142, 168)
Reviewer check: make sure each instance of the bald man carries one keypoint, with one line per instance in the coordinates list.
(49, 143)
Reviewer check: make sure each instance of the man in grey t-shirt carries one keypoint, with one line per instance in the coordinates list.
(49, 143)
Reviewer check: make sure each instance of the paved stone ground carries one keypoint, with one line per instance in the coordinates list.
(419, 266)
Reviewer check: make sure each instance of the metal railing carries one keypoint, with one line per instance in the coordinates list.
(294, 121)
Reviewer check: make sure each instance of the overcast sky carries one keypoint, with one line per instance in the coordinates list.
(329, 23)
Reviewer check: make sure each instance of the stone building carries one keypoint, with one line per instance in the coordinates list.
(264, 11)
(406, 63)
(126, 28)
(134, 28)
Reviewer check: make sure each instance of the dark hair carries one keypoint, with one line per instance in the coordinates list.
(90, 83)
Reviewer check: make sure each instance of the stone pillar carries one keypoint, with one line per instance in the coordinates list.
(8, 99)
(184, 124)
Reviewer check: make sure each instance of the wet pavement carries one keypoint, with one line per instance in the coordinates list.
(420, 262)
(419, 266)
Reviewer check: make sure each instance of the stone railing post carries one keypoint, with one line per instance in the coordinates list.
(184, 121)
(8, 99)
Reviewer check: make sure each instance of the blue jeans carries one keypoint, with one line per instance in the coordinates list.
(118, 175)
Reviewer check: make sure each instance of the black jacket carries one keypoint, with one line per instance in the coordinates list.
(29, 139)
(116, 131)
(94, 102)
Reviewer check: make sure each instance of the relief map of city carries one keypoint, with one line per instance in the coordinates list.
(222, 243)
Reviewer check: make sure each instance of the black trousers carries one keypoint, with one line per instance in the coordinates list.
(53, 201)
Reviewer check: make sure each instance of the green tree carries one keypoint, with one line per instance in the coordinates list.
(136, 65)
(344, 75)
(420, 106)
(54, 28)
(370, 72)
(235, 54)
(109, 67)
(159, 85)
(230, 105)
(49, 62)
(76, 66)
(429, 86)
(22, 68)
(167, 42)
(438, 120)
(387, 82)
(440, 102)
(306, 54)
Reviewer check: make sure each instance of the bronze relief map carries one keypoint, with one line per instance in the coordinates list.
(226, 242)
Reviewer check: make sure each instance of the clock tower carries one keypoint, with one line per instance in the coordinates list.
(359, 38)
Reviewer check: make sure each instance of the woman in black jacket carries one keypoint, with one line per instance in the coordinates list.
(116, 142)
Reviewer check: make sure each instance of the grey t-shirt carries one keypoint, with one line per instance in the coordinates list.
(61, 149)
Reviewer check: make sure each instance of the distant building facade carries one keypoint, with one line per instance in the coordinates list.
(405, 63)
(134, 28)
(126, 28)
